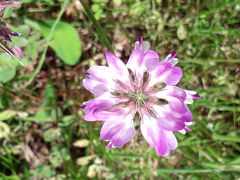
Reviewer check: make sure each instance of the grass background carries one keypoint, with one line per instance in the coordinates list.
(60, 145)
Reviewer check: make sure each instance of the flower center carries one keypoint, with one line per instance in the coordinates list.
(138, 97)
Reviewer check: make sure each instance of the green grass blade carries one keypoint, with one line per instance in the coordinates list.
(100, 31)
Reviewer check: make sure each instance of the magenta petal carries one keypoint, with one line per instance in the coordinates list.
(187, 128)
(110, 114)
(177, 106)
(160, 143)
(123, 136)
(173, 76)
(140, 61)
(109, 145)
(114, 63)
(163, 141)
(172, 120)
(171, 124)
(100, 80)
(140, 39)
(135, 60)
(187, 116)
(101, 103)
(150, 60)
(171, 139)
(142, 45)
(166, 120)
(17, 50)
(172, 55)
(117, 67)
(171, 59)
(86, 74)
(82, 107)
(101, 73)
(177, 92)
(166, 73)
(119, 132)
(95, 87)
(196, 96)
(172, 91)
(109, 129)
(190, 96)
(161, 69)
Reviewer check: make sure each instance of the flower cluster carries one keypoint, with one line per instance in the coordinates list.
(142, 90)
(6, 34)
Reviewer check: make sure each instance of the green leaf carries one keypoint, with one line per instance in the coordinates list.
(7, 114)
(13, 177)
(44, 170)
(117, 3)
(65, 41)
(4, 130)
(181, 32)
(7, 73)
(58, 156)
(49, 96)
(51, 134)
(7, 68)
(2, 102)
(48, 112)
(8, 12)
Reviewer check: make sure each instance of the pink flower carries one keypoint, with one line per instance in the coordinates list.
(17, 50)
(143, 90)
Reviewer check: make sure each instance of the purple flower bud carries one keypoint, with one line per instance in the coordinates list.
(17, 50)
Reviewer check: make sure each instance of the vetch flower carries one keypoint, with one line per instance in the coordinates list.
(5, 33)
(17, 50)
(143, 90)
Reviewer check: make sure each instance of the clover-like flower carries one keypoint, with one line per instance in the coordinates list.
(6, 33)
(143, 90)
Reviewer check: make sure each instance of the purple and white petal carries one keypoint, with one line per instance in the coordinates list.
(171, 91)
(165, 73)
(190, 96)
(95, 87)
(105, 102)
(142, 45)
(163, 141)
(135, 60)
(171, 59)
(117, 67)
(165, 111)
(118, 131)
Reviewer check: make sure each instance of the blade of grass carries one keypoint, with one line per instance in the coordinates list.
(183, 171)
(100, 31)
(226, 138)
(130, 156)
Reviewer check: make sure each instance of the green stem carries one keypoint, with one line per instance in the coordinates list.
(40, 64)
(100, 31)
(196, 170)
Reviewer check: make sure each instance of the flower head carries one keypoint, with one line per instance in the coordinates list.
(143, 90)
(6, 34)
